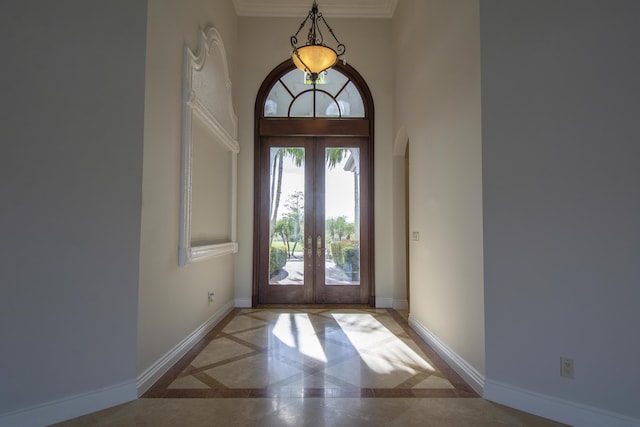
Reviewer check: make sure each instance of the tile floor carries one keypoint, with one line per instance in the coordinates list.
(305, 352)
(311, 367)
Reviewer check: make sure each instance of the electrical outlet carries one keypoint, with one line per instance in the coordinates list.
(415, 236)
(566, 367)
(210, 296)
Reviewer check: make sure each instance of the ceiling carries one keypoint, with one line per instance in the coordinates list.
(329, 8)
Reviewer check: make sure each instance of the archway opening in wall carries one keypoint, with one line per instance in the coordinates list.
(313, 201)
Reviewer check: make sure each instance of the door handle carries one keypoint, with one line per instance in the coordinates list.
(309, 245)
(319, 246)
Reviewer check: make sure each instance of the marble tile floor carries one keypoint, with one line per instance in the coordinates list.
(311, 352)
(310, 412)
(323, 366)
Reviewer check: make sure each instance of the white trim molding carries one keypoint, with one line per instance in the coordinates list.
(160, 367)
(554, 408)
(71, 407)
(206, 97)
(400, 304)
(197, 253)
(382, 302)
(243, 302)
(329, 8)
(396, 304)
(470, 374)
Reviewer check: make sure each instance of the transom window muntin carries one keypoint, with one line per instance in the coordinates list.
(293, 96)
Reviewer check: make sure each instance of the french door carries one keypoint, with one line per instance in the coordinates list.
(314, 244)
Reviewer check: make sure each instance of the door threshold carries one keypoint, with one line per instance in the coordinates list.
(325, 306)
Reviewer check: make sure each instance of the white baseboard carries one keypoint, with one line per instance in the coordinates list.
(243, 302)
(384, 302)
(470, 374)
(400, 304)
(553, 408)
(396, 304)
(71, 407)
(160, 367)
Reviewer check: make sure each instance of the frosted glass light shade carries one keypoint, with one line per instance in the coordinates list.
(317, 58)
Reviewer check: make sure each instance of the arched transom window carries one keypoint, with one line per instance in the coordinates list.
(334, 95)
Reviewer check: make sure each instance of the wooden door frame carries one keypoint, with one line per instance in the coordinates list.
(265, 127)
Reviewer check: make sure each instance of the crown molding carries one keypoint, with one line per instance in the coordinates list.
(330, 9)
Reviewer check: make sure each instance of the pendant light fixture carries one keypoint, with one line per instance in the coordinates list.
(315, 57)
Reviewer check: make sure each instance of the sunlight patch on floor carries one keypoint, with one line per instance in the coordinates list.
(381, 350)
(296, 331)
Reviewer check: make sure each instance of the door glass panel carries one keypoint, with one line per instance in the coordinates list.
(286, 219)
(342, 216)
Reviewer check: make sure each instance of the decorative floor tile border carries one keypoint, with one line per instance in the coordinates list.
(161, 389)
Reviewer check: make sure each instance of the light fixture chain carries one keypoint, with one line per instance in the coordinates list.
(315, 57)
(319, 40)
(294, 38)
(341, 48)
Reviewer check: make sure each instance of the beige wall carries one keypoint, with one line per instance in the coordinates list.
(437, 100)
(265, 44)
(173, 300)
(70, 188)
(561, 206)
